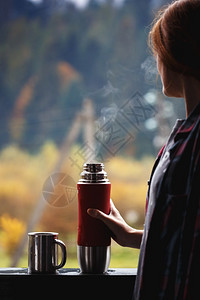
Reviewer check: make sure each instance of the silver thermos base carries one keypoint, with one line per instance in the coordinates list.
(93, 260)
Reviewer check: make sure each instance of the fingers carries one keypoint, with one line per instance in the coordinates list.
(95, 213)
(107, 219)
(120, 231)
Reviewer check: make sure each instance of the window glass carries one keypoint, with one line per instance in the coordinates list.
(77, 83)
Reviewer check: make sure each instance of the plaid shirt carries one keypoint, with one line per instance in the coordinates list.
(171, 262)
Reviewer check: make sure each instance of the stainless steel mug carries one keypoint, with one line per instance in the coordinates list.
(43, 253)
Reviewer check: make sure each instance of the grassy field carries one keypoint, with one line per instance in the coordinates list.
(120, 258)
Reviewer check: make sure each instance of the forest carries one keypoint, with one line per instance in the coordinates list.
(56, 61)
(53, 55)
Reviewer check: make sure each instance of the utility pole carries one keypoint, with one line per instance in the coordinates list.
(89, 126)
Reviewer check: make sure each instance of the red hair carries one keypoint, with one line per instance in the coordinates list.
(175, 37)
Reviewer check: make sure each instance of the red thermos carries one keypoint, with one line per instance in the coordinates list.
(93, 235)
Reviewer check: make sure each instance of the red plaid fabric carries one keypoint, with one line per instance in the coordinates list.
(171, 261)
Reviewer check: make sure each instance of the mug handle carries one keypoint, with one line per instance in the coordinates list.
(64, 253)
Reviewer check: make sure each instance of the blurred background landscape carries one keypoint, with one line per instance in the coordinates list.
(77, 83)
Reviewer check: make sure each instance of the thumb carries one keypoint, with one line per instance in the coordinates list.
(106, 219)
(96, 213)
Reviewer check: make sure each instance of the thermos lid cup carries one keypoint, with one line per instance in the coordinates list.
(93, 173)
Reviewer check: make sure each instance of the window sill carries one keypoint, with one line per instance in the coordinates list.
(16, 283)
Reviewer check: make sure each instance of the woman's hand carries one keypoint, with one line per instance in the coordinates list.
(122, 233)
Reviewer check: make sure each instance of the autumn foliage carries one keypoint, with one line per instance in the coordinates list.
(22, 177)
(12, 230)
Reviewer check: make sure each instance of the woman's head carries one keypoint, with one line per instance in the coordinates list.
(175, 37)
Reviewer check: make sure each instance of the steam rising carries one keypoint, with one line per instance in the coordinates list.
(150, 69)
(113, 129)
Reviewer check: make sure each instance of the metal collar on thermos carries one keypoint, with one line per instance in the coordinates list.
(93, 173)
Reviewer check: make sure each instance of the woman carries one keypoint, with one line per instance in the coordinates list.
(169, 260)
